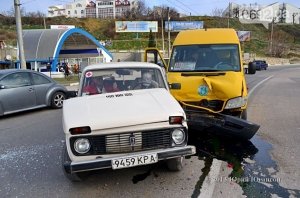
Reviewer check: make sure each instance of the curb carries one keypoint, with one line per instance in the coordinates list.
(74, 84)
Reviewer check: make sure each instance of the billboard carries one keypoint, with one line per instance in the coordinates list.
(136, 26)
(62, 26)
(176, 26)
(243, 35)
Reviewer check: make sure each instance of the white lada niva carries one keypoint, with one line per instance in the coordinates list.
(123, 116)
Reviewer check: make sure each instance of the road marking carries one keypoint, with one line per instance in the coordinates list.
(257, 85)
(209, 183)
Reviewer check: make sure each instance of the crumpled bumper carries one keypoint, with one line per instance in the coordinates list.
(223, 124)
(102, 163)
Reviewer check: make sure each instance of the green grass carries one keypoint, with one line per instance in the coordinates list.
(68, 81)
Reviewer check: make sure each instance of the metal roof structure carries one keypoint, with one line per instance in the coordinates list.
(51, 44)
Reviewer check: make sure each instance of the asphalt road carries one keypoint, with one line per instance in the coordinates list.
(266, 166)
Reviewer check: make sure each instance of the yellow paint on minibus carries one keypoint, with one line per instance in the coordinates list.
(225, 86)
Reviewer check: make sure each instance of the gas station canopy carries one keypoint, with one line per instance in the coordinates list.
(42, 45)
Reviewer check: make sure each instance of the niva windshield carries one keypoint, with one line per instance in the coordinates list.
(121, 79)
(205, 58)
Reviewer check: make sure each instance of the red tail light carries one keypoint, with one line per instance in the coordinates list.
(175, 119)
(80, 130)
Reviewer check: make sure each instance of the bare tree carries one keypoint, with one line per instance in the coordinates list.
(137, 12)
(218, 12)
(11, 12)
(37, 14)
(282, 13)
(141, 11)
(163, 12)
(280, 44)
(236, 12)
(174, 14)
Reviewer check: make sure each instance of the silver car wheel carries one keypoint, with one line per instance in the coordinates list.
(58, 100)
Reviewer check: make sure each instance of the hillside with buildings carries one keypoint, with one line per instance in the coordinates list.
(286, 38)
(275, 29)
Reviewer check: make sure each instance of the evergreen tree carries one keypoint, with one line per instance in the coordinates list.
(151, 42)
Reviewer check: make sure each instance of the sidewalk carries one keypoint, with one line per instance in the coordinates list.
(72, 87)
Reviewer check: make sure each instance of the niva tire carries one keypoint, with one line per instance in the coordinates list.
(73, 177)
(175, 164)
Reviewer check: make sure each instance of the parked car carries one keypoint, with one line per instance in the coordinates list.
(261, 64)
(129, 119)
(22, 90)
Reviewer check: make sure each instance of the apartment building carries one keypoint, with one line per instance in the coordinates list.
(90, 10)
(103, 9)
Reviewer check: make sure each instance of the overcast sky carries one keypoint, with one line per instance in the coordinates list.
(195, 7)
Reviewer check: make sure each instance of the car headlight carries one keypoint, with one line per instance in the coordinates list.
(178, 136)
(236, 103)
(82, 145)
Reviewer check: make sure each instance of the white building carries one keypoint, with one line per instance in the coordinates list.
(76, 9)
(113, 8)
(292, 14)
(58, 10)
(279, 12)
(90, 10)
(103, 9)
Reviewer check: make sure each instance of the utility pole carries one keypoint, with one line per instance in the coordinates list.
(271, 39)
(229, 13)
(19, 34)
(169, 36)
(162, 31)
(45, 27)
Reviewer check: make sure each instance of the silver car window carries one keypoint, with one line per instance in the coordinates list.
(38, 79)
(19, 79)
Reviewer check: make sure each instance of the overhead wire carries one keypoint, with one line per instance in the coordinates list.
(196, 12)
(63, 1)
(178, 7)
(26, 2)
(189, 9)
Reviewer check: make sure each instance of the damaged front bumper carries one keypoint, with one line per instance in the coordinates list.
(221, 123)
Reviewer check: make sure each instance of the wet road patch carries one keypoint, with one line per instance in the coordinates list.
(252, 166)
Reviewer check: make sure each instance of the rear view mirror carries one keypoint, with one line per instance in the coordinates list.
(160, 64)
(123, 72)
(152, 55)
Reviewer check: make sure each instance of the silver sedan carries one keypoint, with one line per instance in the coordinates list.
(22, 90)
